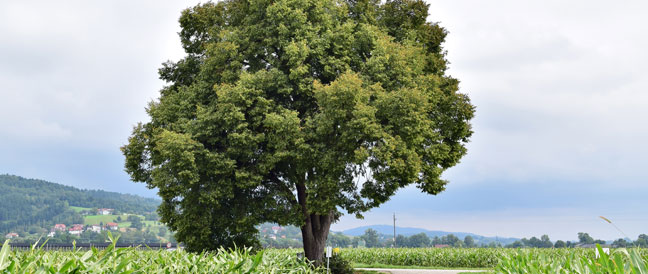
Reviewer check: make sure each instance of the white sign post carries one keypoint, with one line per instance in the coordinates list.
(329, 250)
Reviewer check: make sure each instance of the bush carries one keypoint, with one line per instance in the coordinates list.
(339, 265)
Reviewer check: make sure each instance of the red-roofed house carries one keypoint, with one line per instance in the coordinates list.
(75, 230)
(112, 226)
(11, 235)
(60, 227)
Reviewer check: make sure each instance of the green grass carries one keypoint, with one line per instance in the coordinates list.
(96, 219)
(151, 223)
(79, 209)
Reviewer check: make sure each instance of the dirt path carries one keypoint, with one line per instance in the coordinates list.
(421, 271)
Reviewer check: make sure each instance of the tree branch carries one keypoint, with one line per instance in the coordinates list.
(284, 188)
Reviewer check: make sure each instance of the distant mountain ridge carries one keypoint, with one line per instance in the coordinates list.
(409, 231)
(31, 202)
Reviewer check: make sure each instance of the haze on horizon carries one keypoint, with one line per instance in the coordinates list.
(560, 89)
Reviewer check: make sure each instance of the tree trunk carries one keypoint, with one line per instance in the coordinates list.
(315, 229)
(314, 234)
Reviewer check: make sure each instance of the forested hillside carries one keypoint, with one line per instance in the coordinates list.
(29, 202)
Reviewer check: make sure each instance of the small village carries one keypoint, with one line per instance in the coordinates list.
(78, 229)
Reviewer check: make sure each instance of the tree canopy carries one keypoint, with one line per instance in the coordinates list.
(296, 112)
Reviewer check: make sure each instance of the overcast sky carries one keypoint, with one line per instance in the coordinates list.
(560, 89)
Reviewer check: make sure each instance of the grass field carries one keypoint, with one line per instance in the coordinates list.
(79, 209)
(96, 219)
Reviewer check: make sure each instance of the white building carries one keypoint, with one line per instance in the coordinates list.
(105, 211)
(76, 229)
(94, 228)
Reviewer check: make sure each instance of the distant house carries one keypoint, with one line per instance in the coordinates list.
(112, 226)
(75, 230)
(441, 246)
(105, 211)
(52, 233)
(95, 228)
(274, 237)
(60, 227)
(276, 229)
(12, 235)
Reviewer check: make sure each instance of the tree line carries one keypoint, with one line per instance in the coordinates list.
(584, 239)
(371, 238)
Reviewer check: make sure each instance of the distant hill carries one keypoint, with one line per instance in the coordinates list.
(409, 231)
(30, 202)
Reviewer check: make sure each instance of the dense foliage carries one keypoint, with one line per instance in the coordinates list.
(295, 112)
(30, 203)
(131, 260)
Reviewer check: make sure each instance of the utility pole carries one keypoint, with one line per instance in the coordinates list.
(394, 229)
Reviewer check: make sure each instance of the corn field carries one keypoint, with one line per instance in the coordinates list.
(503, 259)
(131, 260)
(620, 261)
(434, 257)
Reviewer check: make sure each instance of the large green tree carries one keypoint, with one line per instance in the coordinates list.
(419, 240)
(371, 238)
(296, 112)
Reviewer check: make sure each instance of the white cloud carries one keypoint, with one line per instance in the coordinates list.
(559, 87)
(89, 68)
(560, 90)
